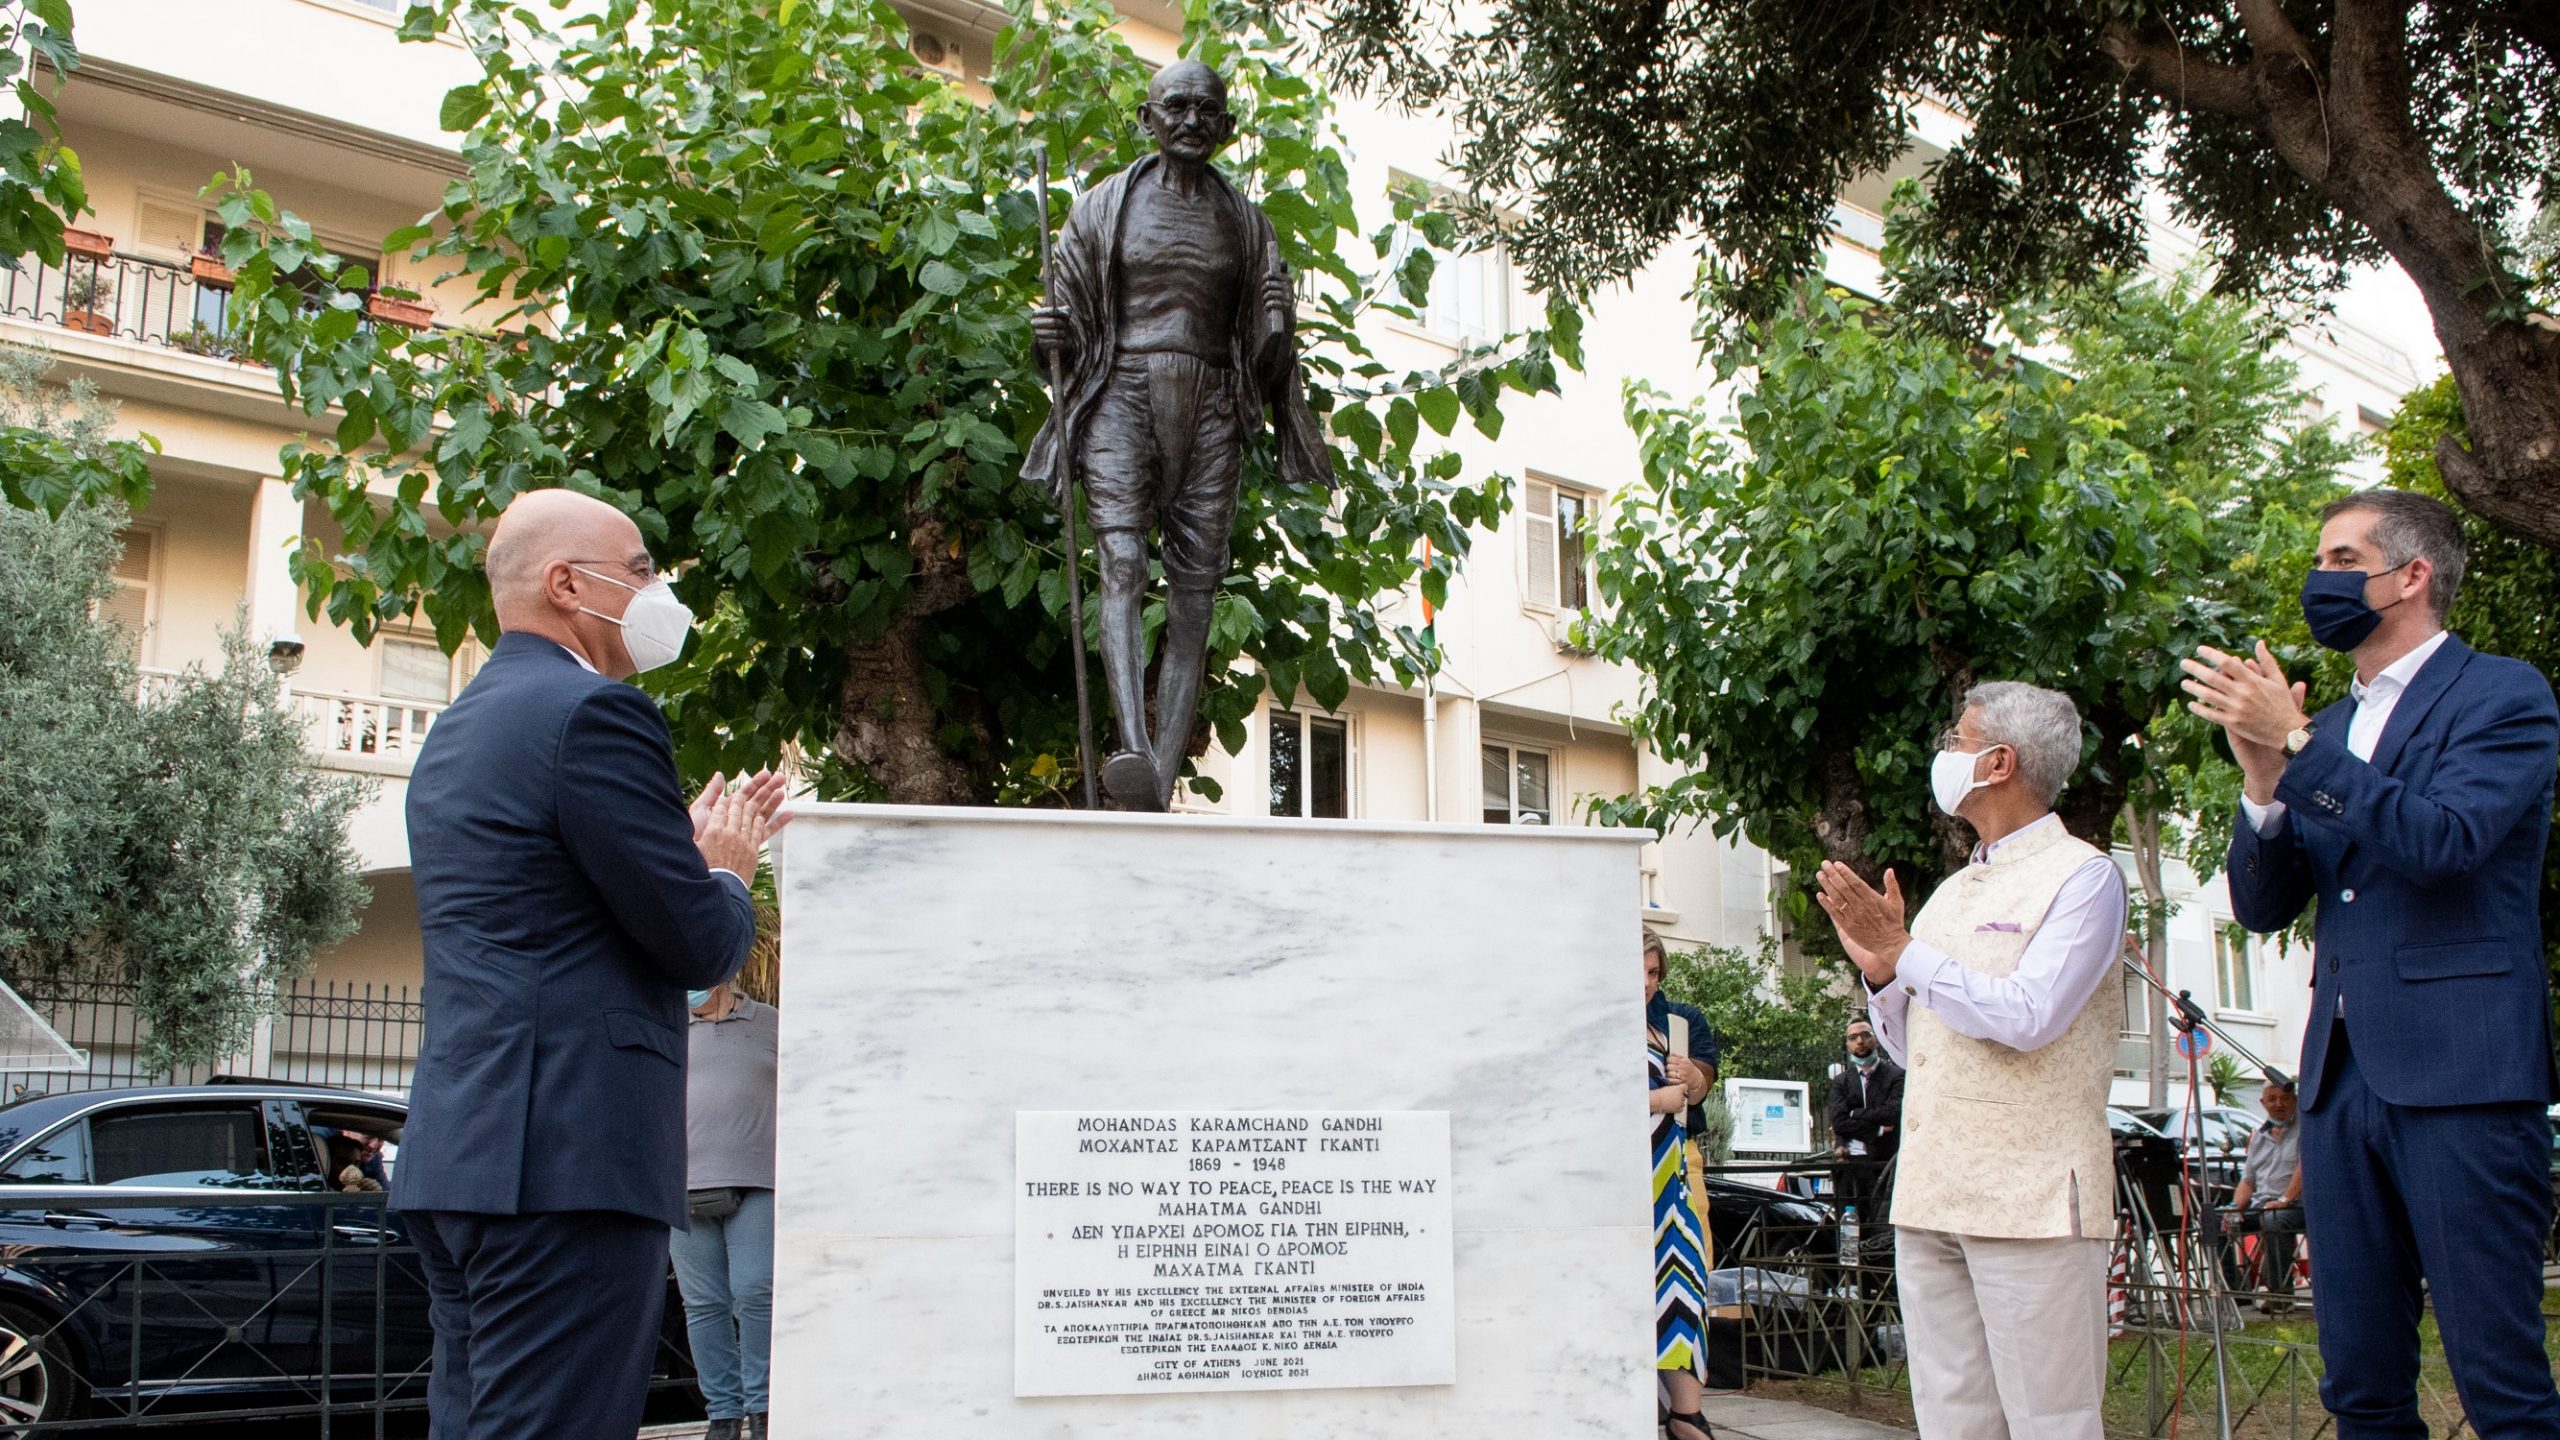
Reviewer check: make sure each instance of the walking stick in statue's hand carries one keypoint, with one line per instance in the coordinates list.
(1068, 505)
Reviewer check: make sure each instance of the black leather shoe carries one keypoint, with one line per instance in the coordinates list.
(725, 1430)
(756, 1424)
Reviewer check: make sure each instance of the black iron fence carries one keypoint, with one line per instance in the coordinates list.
(306, 1310)
(122, 295)
(1805, 1305)
(181, 306)
(364, 1037)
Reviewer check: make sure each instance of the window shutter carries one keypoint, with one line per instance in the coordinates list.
(415, 669)
(129, 609)
(168, 230)
(1538, 545)
(135, 563)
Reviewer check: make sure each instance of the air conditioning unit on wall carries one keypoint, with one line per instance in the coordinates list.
(937, 53)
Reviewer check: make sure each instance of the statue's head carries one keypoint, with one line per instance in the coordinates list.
(1186, 111)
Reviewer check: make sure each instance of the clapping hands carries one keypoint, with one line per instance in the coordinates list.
(732, 821)
(2256, 706)
(1869, 920)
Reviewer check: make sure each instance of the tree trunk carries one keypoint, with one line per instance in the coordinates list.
(887, 723)
(2350, 134)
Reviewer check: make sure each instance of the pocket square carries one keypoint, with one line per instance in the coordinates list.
(2005, 927)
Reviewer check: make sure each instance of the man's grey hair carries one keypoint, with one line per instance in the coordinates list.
(2042, 725)
(2408, 526)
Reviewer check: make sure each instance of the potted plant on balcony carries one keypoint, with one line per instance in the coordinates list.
(209, 270)
(81, 289)
(201, 339)
(399, 307)
(89, 243)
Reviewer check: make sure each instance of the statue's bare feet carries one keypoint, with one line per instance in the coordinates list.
(1130, 778)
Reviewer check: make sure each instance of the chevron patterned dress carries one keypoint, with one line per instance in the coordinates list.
(1679, 1279)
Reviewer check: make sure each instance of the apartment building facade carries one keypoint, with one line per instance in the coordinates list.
(1520, 728)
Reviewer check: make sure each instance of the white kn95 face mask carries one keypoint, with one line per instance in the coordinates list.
(654, 625)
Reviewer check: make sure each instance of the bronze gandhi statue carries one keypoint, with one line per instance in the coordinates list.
(1172, 322)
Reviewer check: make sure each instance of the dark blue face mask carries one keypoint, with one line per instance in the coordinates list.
(2333, 605)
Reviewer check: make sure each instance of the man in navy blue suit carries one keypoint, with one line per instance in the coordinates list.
(567, 898)
(2414, 812)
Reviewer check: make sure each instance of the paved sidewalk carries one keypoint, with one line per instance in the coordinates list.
(1748, 1417)
(1736, 1417)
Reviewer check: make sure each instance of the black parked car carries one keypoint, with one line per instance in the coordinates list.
(183, 1248)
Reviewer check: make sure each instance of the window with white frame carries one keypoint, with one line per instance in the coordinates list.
(415, 667)
(1556, 545)
(130, 608)
(2234, 979)
(2137, 1006)
(1469, 301)
(1519, 785)
(1310, 766)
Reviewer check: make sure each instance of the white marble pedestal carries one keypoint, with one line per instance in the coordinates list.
(944, 969)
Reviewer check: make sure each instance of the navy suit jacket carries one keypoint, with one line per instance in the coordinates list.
(2427, 865)
(565, 911)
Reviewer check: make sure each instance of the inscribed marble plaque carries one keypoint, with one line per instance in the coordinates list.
(1165, 1251)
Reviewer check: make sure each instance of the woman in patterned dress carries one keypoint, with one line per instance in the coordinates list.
(1679, 1278)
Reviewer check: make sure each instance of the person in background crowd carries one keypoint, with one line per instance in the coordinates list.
(2268, 1201)
(1674, 1083)
(724, 1264)
(1998, 1002)
(567, 898)
(368, 1158)
(2415, 812)
(1658, 1010)
(1866, 1120)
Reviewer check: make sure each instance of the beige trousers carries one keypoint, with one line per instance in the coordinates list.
(2007, 1338)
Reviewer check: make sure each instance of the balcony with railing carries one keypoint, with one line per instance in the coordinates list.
(151, 301)
(127, 296)
(375, 733)
(379, 734)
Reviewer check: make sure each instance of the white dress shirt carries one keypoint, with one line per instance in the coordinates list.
(2374, 704)
(2067, 958)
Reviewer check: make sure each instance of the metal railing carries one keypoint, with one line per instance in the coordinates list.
(126, 296)
(1815, 1313)
(347, 724)
(363, 1037)
(135, 297)
(315, 1312)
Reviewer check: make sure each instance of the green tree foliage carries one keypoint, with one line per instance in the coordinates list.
(58, 443)
(40, 179)
(2299, 138)
(55, 441)
(1893, 517)
(1770, 1022)
(185, 843)
(2510, 598)
(765, 285)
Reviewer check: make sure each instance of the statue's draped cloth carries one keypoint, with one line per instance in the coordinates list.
(1262, 368)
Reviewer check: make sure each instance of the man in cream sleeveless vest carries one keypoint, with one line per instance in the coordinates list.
(1999, 1003)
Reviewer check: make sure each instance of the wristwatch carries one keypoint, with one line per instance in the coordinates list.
(2295, 739)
